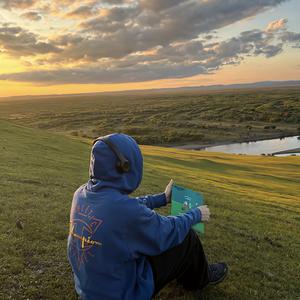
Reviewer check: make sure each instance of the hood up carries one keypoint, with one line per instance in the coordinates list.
(103, 172)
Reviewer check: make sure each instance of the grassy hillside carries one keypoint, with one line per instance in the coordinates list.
(166, 118)
(254, 202)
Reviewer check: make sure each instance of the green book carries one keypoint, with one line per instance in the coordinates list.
(185, 199)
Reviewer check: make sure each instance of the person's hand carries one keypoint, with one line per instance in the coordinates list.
(168, 191)
(205, 213)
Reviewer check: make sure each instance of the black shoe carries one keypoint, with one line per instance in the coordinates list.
(217, 272)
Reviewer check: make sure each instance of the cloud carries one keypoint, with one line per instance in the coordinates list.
(112, 2)
(277, 25)
(31, 15)
(111, 20)
(117, 41)
(96, 75)
(80, 12)
(158, 5)
(19, 4)
(121, 30)
(292, 38)
(16, 41)
(173, 61)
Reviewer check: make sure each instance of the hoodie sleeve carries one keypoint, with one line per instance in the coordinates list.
(149, 233)
(153, 201)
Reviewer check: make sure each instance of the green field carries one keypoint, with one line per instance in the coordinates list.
(254, 202)
(165, 118)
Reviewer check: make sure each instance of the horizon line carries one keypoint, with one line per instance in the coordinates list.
(203, 88)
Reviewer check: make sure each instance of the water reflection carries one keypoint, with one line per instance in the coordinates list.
(259, 147)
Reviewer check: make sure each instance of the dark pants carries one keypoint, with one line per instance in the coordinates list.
(186, 262)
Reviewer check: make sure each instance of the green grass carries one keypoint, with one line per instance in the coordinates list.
(165, 118)
(254, 203)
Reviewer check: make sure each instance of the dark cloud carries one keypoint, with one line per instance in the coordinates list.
(188, 19)
(158, 5)
(134, 28)
(111, 20)
(96, 75)
(16, 41)
(291, 37)
(254, 42)
(119, 31)
(115, 1)
(173, 61)
(31, 15)
(66, 39)
(270, 50)
(83, 11)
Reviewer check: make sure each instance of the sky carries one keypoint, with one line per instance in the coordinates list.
(72, 46)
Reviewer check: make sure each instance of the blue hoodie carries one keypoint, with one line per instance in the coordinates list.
(111, 234)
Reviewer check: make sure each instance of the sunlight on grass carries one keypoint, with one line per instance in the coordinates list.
(254, 203)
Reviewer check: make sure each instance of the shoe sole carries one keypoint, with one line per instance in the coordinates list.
(221, 279)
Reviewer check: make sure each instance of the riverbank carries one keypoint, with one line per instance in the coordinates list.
(291, 151)
(198, 146)
(282, 146)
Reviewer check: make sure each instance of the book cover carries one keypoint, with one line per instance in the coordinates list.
(185, 199)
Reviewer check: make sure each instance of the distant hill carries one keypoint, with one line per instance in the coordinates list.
(254, 85)
(202, 88)
(220, 87)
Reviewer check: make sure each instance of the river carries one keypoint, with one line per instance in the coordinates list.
(259, 147)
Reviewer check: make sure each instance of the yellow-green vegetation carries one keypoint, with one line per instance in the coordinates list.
(166, 118)
(254, 203)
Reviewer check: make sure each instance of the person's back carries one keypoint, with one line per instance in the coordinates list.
(113, 237)
(98, 250)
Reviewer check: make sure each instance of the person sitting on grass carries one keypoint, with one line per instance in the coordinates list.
(118, 246)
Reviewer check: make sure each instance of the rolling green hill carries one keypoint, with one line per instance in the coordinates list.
(166, 118)
(254, 203)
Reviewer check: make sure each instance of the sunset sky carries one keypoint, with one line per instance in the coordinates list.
(64, 46)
